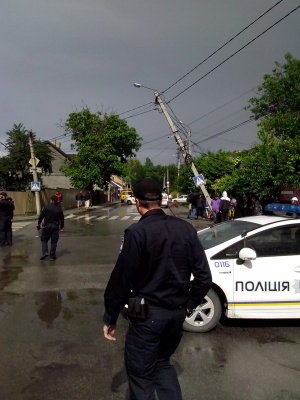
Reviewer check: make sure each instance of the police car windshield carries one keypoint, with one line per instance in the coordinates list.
(220, 233)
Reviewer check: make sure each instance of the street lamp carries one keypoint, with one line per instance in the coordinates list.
(138, 85)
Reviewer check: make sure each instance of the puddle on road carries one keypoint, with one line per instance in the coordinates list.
(12, 266)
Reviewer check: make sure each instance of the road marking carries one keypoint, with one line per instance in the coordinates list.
(124, 218)
(103, 216)
(19, 225)
(70, 216)
(114, 217)
(90, 217)
(82, 216)
(136, 218)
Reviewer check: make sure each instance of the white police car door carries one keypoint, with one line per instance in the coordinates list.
(269, 287)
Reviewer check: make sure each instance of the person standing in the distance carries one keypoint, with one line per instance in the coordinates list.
(245, 208)
(5, 215)
(58, 196)
(232, 207)
(87, 200)
(79, 199)
(51, 221)
(215, 207)
(200, 206)
(256, 206)
(152, 275)
(9, 234)
(224, 206)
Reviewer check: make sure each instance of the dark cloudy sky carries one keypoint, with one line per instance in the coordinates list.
(57, 55)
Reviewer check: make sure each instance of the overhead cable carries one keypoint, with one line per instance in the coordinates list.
(226, 130)
(232, 55)
(230, 40)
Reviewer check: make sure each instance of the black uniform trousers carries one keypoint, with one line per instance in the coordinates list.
(50, 231)
(148, 348)
(4, 227)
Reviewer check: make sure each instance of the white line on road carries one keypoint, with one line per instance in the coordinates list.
(124, 218)
(103, 216)
(114, 217)
(90, 217)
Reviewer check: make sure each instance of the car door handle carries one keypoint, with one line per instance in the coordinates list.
(297, 269)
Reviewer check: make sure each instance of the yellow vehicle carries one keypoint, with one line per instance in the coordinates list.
(124, 193)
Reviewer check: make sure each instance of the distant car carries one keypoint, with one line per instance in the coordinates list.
(255, 266)
(129, 200)
(124, 193)
(181, 199)
(165, 200)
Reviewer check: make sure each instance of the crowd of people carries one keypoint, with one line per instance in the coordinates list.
(223, 208)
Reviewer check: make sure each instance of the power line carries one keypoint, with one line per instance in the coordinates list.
(226, 130)
(223, 105)
(232, 55)
(136, 108)
(230, 40)
(144, 112)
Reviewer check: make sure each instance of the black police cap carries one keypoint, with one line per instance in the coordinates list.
(147, 189)
(3, 194)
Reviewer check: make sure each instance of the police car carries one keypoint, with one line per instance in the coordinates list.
(255, 265)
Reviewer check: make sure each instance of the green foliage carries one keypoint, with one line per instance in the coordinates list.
(278, 104)
(14, 168)
(103, 144)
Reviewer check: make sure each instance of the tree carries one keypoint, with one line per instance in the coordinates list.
(278, 104)
(14, 168)
(103, 143)
(276, 161)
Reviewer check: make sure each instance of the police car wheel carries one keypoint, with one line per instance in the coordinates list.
(129, 202)
(205, 316)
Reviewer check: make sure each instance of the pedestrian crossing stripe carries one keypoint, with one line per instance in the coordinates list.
(19, 225)
(88, 217)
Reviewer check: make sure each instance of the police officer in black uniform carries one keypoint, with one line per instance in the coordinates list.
(5, 215)
(152, 275)
(51, 221)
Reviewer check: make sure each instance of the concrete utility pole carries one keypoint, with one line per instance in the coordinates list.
(33, 161)
(184, 151)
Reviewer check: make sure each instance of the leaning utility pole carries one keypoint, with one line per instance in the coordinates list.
(184, 151)
(33, 161)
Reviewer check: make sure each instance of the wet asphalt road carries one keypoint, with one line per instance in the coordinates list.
(51, 342)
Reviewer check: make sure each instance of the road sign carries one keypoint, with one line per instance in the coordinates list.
(199, 180)
(38, 169)
(31, 161)
(35, 186)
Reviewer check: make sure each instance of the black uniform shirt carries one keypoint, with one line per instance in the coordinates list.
(158, 256)
(6, 208)
(52, 214)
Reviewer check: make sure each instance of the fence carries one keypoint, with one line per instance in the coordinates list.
(25, 203)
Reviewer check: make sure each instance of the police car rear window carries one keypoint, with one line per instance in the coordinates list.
(220, 233)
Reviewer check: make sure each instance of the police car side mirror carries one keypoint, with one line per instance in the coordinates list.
(247, 254)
